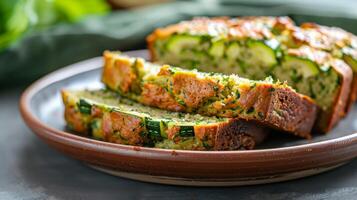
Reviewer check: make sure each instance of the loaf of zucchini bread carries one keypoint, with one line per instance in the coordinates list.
(271, 104)
(257, 47)
(106, 116)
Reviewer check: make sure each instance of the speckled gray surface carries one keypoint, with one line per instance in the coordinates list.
(29, 169)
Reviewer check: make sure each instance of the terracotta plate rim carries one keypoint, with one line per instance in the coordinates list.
(36, 124)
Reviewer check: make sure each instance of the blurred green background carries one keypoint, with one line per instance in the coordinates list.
(20, 16)
(39, 36)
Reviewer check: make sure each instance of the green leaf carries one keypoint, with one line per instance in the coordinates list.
(19, 16)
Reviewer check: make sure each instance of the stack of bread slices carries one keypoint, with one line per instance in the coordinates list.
(221, 84)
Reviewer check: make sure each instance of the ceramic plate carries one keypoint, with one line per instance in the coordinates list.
(282, 157)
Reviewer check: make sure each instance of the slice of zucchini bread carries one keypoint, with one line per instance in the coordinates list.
(222, 44)
(255, 48)
(106, 116)
(211, 94)
(339, 43)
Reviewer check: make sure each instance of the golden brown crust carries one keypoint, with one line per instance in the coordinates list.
(323, 37)
(253, 27)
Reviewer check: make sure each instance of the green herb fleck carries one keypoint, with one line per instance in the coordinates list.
(237, 94)
(295, 77)
(181, 115)
(250, 110)
(84, 107)
(171, 71)
(142, 133)
(181, 102)
(94, 124)
(206, 145)
(312, 93)
(211, 73)
(339, 80)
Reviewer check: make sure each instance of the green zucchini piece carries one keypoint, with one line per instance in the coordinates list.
(301, 66)
(260, 53)
(155, 129)
(217, 49)
(234, 51)
(187, 131)
(84, 107)
(179, 42)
